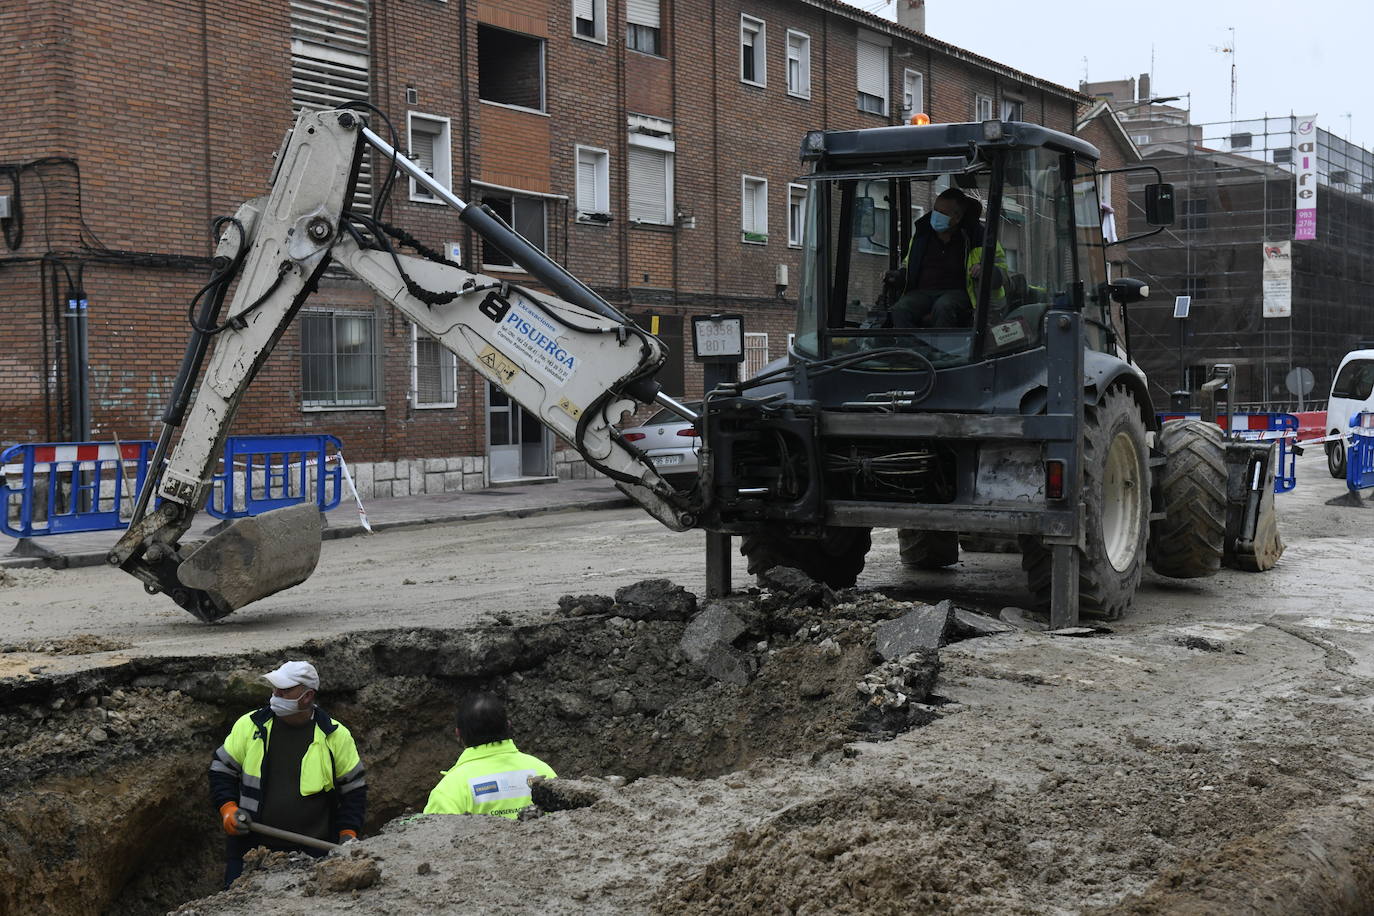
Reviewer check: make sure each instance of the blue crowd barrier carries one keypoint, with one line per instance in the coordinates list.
(1262, 427)
(1359, 455)
(261, 473)
(63, 487)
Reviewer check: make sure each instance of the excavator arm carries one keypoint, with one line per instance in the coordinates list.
(570, 359)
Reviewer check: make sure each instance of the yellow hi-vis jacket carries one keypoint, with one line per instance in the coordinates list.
(331, 763)
(487, 779)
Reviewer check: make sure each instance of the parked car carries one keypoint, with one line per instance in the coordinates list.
(1351, 393)
(671, 443)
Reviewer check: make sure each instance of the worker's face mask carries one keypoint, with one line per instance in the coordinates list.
(939, 221)
(283, 707)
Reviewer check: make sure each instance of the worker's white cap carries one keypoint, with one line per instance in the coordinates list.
(292, 673)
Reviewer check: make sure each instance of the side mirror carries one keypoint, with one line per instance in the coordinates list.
(865, 218)
(1126, 290)
(1159, 204)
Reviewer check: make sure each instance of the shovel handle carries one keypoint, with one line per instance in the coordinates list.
(246, 822)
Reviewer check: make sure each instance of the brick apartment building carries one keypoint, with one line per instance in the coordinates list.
(648, 145)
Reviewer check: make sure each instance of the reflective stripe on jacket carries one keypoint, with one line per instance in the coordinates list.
(487, 779)
(331, 763)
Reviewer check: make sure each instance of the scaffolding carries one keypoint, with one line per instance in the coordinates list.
(1234, 188)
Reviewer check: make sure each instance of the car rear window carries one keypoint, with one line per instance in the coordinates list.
(667, 415)
(1356, 380)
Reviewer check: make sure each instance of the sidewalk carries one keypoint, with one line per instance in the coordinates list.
(508, 501)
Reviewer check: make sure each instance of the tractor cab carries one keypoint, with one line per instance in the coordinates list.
(1030, 239)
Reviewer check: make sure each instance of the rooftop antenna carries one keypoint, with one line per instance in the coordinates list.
(1231, 49)
(1085, 68)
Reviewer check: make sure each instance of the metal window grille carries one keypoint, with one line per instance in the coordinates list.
(755, 353)
(340, 362)
(330, 64)
(436, 373)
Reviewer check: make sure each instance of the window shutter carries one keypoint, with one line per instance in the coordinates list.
(648, 185)
(872, 69)
(642, 12)
(582, 9)
(586, 183)
(422, 146)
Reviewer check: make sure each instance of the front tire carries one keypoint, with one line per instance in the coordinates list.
(1116, 499)
(1335, 458)
(1189, 540)
(836, 558)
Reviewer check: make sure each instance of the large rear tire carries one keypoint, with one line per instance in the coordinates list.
(836, 558)
(1116, 499)
(927, 549)
(1189, 540)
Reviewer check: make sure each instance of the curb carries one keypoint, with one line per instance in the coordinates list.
(334, 532)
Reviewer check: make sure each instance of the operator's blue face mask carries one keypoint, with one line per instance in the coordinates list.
(939, 221)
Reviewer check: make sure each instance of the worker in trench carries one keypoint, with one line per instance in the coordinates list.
(491, 775)
(291, 766)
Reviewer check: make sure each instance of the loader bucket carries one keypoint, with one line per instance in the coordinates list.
(1252, 531)
(255, 557)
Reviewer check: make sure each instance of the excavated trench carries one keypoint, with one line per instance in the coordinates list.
(104, 803)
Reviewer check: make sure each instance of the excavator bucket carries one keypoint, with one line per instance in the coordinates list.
(1252, 530)
(255, 557)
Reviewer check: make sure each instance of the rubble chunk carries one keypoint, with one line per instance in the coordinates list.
(923, 628)
(655, 599)
(707, 643)
(968, 625)
(585, 605)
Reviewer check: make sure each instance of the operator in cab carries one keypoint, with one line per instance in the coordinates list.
(491, 775)
(940, 274)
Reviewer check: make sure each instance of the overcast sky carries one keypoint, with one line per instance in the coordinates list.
(1301, 57)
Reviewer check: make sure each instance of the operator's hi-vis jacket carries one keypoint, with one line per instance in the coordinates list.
(331, 764)
(487, 779)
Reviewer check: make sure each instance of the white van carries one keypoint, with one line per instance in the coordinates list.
(1352, 392)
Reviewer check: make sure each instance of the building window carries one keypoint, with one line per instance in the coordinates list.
(649, 170)
(525, 215)
(753, 67)
(430, 147)
(434, 372)
(755, 353)
(643, 28)
(796, 214)
(982, 108)
(329, 65)
(913, 93)
(872, 66)
(510, 68)
(589, 19)
(340, 361)
(1013, 110)
(593, 185)
(754, 208)
(798, 64)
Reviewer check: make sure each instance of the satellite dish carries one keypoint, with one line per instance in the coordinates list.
(1299, 381)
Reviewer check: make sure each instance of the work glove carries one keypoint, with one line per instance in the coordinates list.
(228, 811)
(346, 835)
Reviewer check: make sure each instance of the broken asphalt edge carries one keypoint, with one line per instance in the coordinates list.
(97, 557)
